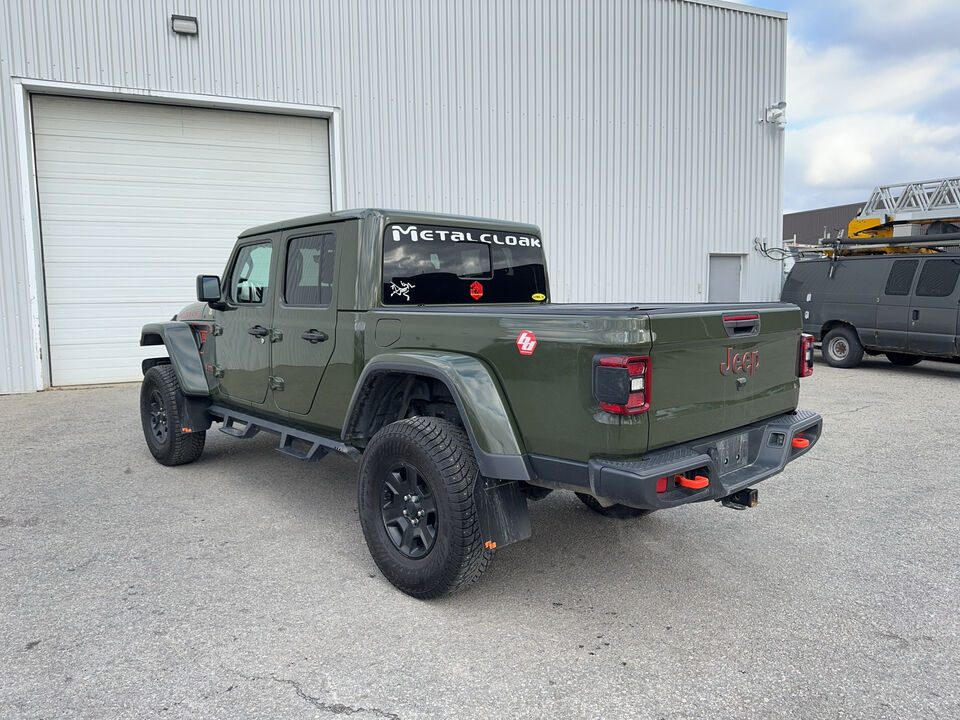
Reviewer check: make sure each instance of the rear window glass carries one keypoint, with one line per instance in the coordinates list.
(901, 277)
(938, 278)
(440, 265)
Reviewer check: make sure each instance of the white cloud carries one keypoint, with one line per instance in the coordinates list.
(841, 159)
(898, 15)
(861, 115)
(840, 80)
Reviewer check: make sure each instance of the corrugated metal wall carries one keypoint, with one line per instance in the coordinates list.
(627, 129)
(810, 225)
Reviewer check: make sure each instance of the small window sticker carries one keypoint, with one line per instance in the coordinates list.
(539, 297)
(476, 290)
(402, 290)
(809, 296)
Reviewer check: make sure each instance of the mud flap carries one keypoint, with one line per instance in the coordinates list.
(504, 518)
(193, 412)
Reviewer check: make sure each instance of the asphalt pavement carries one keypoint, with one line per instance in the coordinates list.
(240, 586)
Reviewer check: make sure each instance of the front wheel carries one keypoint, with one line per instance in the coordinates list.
(417, 507)
(841, 347)
(903, 359)
(168, 442)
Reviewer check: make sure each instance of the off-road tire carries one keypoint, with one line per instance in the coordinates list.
(615, 511)
(440, 453)
(173, 446)
(841, 347)
(903, 359)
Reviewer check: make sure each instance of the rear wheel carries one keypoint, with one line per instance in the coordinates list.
(841, 347)
(616, 511)
(417, 508)
(903, 358)
(162, 429)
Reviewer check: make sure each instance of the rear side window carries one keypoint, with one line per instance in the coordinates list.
(901, 277)
(308, 280)
(938, 278)
(437, 265)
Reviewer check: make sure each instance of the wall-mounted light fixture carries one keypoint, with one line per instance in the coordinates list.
(776, 115)
(184, 25)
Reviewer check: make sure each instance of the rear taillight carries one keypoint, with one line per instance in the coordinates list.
(621, 384)
(805, 368)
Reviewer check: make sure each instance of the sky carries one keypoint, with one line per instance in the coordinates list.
(873, 96)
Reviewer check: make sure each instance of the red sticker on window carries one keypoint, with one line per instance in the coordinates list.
(476, 290)
(526, 342)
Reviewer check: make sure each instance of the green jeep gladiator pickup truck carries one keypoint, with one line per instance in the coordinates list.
(426, 348)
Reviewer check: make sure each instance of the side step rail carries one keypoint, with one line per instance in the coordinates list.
(249, 426)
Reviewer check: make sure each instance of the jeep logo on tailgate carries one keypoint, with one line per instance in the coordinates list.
(740, 362)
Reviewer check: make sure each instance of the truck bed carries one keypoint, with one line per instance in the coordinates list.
(551, 393)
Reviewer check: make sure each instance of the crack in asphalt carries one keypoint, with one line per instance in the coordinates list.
(334, 708)
(847, 412)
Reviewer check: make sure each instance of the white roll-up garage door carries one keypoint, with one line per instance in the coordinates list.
(137, 199)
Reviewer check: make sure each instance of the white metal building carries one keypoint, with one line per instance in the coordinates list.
(636, 133)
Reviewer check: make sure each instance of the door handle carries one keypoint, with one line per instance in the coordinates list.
(314, 336)
(258, 331)
(916, 315)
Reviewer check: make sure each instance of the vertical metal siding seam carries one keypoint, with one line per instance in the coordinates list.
(9, 304)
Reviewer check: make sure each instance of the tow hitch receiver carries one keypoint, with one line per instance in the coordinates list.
(741, 500)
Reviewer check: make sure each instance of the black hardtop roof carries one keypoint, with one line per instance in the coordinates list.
(409, 216)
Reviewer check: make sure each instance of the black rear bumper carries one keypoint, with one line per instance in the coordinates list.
(731, 461)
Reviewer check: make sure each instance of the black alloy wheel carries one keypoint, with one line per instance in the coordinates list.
(158, 417)
(409, 511)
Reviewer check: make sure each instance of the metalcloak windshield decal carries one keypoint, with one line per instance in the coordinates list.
(433, 233)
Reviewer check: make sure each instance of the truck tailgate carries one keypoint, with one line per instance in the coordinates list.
(720, 368)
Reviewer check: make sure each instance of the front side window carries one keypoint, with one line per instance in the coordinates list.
(901, 277)
(938, 278)
(251, 274)
(308, 280)
(439, 265)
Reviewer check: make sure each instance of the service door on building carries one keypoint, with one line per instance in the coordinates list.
(723, 284)
(137, 199)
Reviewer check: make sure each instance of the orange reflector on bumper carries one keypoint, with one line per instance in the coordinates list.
(800, 443)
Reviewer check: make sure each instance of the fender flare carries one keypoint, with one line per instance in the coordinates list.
(482, 407)
(184, 355)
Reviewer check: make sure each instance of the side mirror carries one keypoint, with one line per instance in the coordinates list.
(208, 288)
